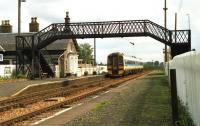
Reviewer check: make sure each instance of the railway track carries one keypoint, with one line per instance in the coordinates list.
(24, 100)
(68, 97)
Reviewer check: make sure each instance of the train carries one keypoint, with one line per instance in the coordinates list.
(119, 64)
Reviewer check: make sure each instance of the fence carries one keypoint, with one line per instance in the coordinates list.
(188, 82)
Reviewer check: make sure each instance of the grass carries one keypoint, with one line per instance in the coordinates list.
(19, 76)
(184, 116)
(101, 105)
(156, 102)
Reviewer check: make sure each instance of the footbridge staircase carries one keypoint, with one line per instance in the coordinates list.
(30, 60)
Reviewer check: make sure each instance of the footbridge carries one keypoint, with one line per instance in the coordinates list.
(30, 58)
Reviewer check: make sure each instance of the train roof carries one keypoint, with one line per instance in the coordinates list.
(126, 57)
(133, 58)
(115, 53)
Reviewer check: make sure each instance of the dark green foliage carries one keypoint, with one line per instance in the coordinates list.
(85, 52)
(153, 66)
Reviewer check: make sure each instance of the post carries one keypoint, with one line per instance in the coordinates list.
(33, 60)
(165, 23)
(19, 17)
(174, 99)
(188, 21)
(175, 26)
(17, 55)
(94, 51)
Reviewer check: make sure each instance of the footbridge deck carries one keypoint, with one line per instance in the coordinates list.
(179, 41)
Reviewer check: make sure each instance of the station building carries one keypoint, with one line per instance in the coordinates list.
(62, 54)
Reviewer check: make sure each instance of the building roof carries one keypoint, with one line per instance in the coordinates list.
(7, 42)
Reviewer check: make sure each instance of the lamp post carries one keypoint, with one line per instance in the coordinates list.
(188, 21)
(19, 15)
(165, 23)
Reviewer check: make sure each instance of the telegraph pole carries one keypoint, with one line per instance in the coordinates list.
(95, 51)
(175, 26)
(165, 23)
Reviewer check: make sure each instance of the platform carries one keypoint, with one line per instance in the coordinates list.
(9, 89)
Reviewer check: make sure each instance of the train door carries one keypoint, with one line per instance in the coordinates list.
(115, 68)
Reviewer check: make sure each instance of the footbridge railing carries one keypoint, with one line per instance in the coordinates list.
(179, 41)
(127, 28)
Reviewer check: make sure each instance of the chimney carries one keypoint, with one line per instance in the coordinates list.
(6, 27)
(33, 26)
(67, 19)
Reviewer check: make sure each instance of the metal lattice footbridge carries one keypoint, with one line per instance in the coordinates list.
(31, 60)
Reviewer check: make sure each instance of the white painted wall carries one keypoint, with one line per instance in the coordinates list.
(101, 69)
(80, 71)
(88, 69)
(187, 68)
(7, 70)
(72, 64)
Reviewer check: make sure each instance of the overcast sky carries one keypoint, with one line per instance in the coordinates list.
(53, 11)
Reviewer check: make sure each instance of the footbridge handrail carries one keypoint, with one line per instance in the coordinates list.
(179, 41)
(105, 29)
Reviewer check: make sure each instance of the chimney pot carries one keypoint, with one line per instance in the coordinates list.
(6, 27)
(67, 19)
(32, 20)
(35, 19)
(33, 26)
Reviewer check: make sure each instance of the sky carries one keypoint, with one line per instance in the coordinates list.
(53, 11)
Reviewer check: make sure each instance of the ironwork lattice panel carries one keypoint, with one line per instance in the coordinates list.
(182, 36)
(127, 28)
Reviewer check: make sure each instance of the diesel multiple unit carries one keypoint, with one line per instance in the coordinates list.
(119, 65)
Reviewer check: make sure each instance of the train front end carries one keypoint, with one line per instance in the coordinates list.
(115, 65)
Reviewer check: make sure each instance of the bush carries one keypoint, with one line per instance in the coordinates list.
(94, 73)
(20, 76)
(85, 73)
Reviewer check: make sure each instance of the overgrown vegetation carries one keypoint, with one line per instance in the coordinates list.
(4, 78)
(19, 76)
(184, 116)
(100, 105)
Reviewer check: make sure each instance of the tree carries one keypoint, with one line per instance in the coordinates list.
(85, 52)
(156, 63)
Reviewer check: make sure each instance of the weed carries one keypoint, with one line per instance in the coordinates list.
(100, 105)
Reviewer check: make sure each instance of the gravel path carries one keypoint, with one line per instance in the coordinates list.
(146, 102)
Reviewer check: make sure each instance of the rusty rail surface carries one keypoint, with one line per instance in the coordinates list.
(101, 86)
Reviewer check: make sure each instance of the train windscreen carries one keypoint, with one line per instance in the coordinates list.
(115, 62)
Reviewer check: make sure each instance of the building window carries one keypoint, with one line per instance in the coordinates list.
(1, 57)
